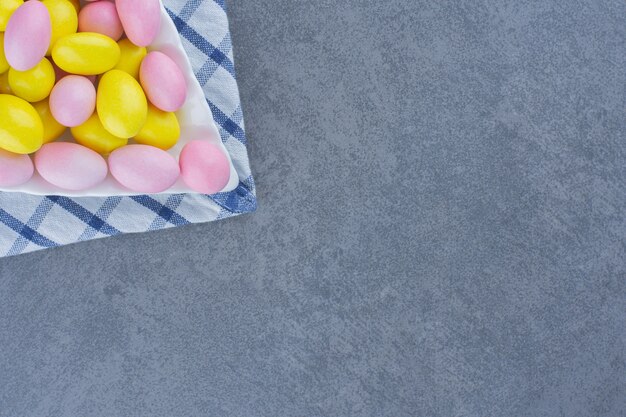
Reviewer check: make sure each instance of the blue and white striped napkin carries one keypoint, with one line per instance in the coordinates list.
(29, 223)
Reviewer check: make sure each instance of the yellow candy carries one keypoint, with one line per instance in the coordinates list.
(7, 7)
(94, 136)
(52, 129)
(21, 129)
(5, 88)
(4, 65)
(76, 4)
(35, 84)
(161, 129)
(86, 53)
(122, 104)
(130, 60)
(64, 19)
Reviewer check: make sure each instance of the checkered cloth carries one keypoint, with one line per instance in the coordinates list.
(29, 223)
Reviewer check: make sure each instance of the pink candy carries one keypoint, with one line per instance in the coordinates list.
(143, 169)
(163, 81)
(14, 169)
(28, 34)
(70, 166)
(73, 100)
(204, 167)
(101, 17)
(141, 19)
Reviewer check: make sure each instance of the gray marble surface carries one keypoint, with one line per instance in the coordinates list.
(441, 232)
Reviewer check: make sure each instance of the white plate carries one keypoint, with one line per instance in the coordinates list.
(195, 118)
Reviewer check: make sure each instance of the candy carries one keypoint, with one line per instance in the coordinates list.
(143, 169)
(86, 53)
(204, 167)
(70, 166)
(141, 19)
(163, 81)
(52, 129)
(101, 17)
(76, 4)
(15, 169)
(63, 17)
(7, 7)
(161, 129)
(21, 129)
(27, 36)
(131, 57)
(4, 64)
(34, 84)
(73, 100)
(94, 136)
(121, 104)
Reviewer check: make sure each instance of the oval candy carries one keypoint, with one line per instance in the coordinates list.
(76, 4)
(27, 36)
(121, 104)
(131, 57)
(73, 100)
(141, 19)
(204, 167)
(94, 136)
(52, 129)
(161, 130)
(143, 169)
(70, 166)
(34, 84)
(64, 19)
(86, 53)
(163, 81)
(21, 128)
(101, 17)
(4, 64)
(15, 169)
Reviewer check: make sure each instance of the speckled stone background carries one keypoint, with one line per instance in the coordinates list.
(441, 232)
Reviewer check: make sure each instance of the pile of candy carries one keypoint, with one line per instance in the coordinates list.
(91, 69)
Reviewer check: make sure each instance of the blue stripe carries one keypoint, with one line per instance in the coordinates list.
(85, 215)
(240, 200)
(26, 231)
(162, 211)
(202, 44)
(34, 222)
(103, 213)
(227, 123)
(189, 9)
(221, 3)
(172, 203)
